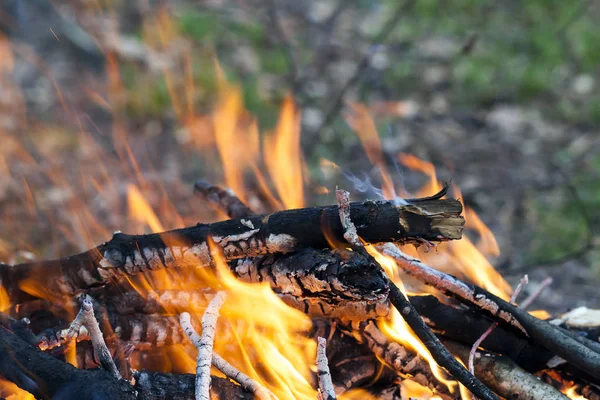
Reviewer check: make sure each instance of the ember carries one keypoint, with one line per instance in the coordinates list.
(266, 297)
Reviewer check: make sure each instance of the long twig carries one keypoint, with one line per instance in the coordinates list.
(572, 349)
(86, 318)
(325, 383)
(259, 391)
(204, 343)
(525, 304)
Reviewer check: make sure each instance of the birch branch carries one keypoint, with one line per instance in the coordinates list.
(204, 343)
(86, 318)
(208, 326)
(259, 391)
(326, 390)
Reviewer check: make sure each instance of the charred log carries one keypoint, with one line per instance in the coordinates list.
(165, 386)
(49, 378)
(280, 232)
(466, 326)
(222, 199)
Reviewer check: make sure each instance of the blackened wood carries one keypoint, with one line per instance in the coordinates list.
(556, 340)
(49, 378)
(403, 361)
(322, 283)
(466, 326)
(165, 386)
(578, 351)
(280, 232)
(222, 199)
(440, 354)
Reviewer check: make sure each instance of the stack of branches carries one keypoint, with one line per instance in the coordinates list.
(314, 259)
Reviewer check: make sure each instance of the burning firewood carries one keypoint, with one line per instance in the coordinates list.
(86, 318)
(279, 232)
(165, 386)
(344, 288)
(326, 390)
(399, 300)
(47, 377)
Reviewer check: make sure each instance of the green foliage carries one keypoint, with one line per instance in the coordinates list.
(561, 226)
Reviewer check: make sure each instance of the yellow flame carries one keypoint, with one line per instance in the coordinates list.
(572, 393)
(271, 336)
(4, 300)
(10, 391)
(397, 328)
(427, 168)
(141, 211)
(238, 147)
(541, 314)
(412, 390)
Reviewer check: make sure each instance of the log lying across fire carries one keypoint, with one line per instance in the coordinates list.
(315, 261)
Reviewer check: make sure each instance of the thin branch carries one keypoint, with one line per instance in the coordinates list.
(350, 233)
(219, 362)
(577, 351)
(533, 296)
(259, 391)
(440, 354)
(86, 318)
(325, 383)
(222, 199)
(478, 342)
(204, 343)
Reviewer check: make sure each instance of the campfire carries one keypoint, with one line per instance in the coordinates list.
(267, 297)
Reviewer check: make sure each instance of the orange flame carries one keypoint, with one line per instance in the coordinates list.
(283, 157)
